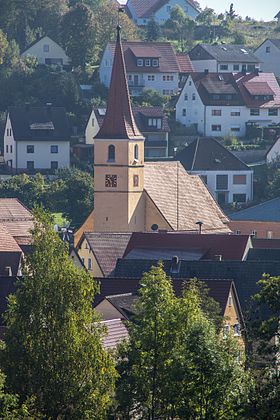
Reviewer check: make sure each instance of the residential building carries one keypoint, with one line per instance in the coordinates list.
(260, 221)
(142, 11)
(223, 58)
(47, 51)
(36, 138)
(151, 121)
(269, 55)
(149, 65)
(131, 195)
(10, 254)
(227, 178)
(222, 104)
(273, 153)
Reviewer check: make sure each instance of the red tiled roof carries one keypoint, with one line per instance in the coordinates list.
(258, 88)
(168, 62)
(185, 63)
(7, 242)
(119, 121)
(13, 209)
(230, 247)
(116, 333)
(142, 51)
(244, 82)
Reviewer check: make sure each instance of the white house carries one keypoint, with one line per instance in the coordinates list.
(142, 11)
(273, 153)
(47, 52)
(269, 55)
(150, 65)
(37, 138)
(227, 178)
(221, 104)
(223, 58)
(151, 121)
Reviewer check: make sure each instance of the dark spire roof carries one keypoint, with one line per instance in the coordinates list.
(119, 121)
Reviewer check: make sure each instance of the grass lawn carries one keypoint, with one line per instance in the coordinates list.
(59, 219)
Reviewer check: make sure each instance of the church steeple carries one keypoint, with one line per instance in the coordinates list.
(119, 122)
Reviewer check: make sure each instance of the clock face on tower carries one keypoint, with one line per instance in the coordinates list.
(110, 180)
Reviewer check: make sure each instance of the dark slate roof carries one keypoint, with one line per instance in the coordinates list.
(45, 123)
(124, 303)
(207, 154)
(223, 53)
(276, 41)
(245, 274)
(207, 246)
(251, 156)
(269, 211)
(262, 254)
(266, 243)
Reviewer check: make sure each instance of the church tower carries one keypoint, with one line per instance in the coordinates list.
(119, 160)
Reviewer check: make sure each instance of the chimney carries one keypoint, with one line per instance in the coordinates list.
(218, 257)
(8, 271)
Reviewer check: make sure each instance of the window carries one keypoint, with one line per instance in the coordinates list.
(111, 153)
(92, 122)
(204, 178)
(239, 198)
(136, 151)
(147, 62)
(151, 77)
(238, 232)
(46, 48)
(190, 83)
(193, 96)
(186, 97)
(155, 62)
(254, 233)
(239, 179)
(216, 127)
(167, 78)
(167, 92)
(230, 300)
(83, 261)
(30, 164)
(221, 182)
(9, 132)
(273, 112)
(223, 67)
(135, 180)
(139, 62)
(251, 67)
(130, 77)
(168, 8)
(89, 264)
(184, 112)
(226, 330)
(29, 149)
(254, 111)
(7, 148)
(236, 330)
(235, 113)
(216, 97)
(54, 149)
(267, 49)
(236, 67)
(11, 148)
(216, 112)
(235, 128)
(54, 165)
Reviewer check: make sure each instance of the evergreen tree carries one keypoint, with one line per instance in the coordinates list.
(153, 31)
(53, 342)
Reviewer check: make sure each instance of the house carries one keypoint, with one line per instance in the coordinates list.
(47, 51)
(227, 178)
(131, 195)
(269, 55)
(223, 104)
(273, 153)
(142, 11)
(261, 221)
(37, 138)
(10, 254)
(223, 58)
(149, 65)
(151, 121)
(277, 16)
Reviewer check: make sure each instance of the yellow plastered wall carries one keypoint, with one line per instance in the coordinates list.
(154, 216)
(85, 253)
(231, 316)
(87, 226)
(107, 311)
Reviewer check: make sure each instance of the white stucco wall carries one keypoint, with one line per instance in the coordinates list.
(232, 188)
(201, 65)
(92, 128)
(270, 60)
(274, 152)
(42, 155)
(214, 66)
(9, 145)
(55, 51)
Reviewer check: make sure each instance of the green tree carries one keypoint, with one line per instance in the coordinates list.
(231, 15)
(3, 46)
(151, 97)
(153, 30)
(53, 341)
(206, 17)
(179, 27)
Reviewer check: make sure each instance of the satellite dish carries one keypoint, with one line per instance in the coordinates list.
(154, 227)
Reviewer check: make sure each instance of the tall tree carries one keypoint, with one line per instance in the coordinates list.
(54, 342)
(153, 30)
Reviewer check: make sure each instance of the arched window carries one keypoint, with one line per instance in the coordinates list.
(111, 153)
(136, 151)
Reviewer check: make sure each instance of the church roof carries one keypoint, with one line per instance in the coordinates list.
(119, 122)
(182, 199)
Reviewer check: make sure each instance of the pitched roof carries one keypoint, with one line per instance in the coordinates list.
(181, 198)
(124, 303)
(17, 219)
(262, 254)
(269, 211)
(119, 121)
(230, 247)
(207, 154)
(261, 82)
(107, 248)
(185, 63)
(7, 242)
(146, 8)
(44, 123)
(251, 156)
(168, 61)
(116, 333)
(266, 243)
(223, 53)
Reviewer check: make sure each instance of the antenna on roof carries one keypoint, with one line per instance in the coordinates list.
(199, 223)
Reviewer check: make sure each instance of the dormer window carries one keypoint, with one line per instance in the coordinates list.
(140, 62)
(155, 62)
(155, 122)
(147, 62)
